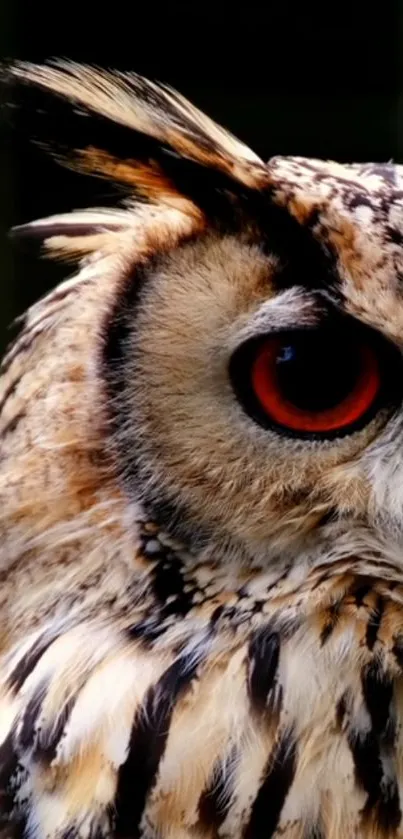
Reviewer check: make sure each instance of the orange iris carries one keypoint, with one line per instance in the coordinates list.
(275, 393)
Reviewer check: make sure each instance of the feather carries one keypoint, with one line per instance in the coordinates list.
(150, 109)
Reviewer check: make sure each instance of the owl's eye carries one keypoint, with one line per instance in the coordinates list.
(316, 383)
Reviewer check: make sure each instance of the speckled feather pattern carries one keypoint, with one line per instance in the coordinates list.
(245, 683)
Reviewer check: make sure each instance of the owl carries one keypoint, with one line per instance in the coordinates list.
(201, 488)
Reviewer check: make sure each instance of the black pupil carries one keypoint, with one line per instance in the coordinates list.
(315, 373)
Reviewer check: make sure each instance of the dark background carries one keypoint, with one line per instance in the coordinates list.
(321, 80)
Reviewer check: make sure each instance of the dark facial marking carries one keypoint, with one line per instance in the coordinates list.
(332, 617)
(28, 731)
(263, 658)
(8, 767)
(158, 506)
(215, 800)
(377, 690)
(148, 738)
(382, 806)
(28, 662)
(49, 739)
(13, 423)
(374, 622)
(270, 799)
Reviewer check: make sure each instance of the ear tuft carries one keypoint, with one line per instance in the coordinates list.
(135, 132)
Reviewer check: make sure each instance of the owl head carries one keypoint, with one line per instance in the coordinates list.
(248, 351)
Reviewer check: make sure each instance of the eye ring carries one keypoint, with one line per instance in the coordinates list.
(316, 383)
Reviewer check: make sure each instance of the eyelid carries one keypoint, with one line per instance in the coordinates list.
(294, 308)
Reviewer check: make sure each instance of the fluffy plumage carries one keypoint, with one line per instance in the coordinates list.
(202, 618)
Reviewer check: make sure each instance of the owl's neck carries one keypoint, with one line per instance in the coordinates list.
(299, 582)
(129, 568)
